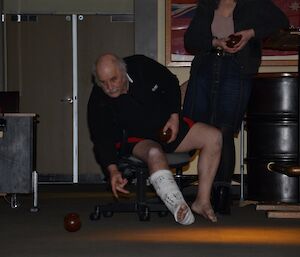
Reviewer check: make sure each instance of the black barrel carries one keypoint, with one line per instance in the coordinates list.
(272, 136)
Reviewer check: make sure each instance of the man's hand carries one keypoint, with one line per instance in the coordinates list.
(173, 125)
(117, 182)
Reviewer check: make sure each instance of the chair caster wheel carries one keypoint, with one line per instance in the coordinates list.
(96, 215)
(144, 213)
(107, 214)
(162, 213)
(34, 209)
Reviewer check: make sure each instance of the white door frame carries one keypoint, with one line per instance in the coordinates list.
(75, 97)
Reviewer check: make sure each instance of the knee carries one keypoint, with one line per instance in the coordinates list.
(155, 152)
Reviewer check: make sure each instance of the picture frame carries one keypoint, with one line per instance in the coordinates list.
(178, 16)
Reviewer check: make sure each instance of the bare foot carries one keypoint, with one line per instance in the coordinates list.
(205, 210)
(181, 212)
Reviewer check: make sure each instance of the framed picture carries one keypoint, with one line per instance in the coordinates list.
(284, 57)
(179, 14)
(178, 17)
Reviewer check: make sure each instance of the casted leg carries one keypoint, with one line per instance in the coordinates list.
(209, 142)
(166, 187)
(163, 181)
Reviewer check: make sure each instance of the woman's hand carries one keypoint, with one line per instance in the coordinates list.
(246, 35)
(221, 43)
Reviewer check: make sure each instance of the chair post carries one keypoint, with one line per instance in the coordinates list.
(178, 178)
(242, 166)
(141, 176)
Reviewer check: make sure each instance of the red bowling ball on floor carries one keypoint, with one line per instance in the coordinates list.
(72, 222)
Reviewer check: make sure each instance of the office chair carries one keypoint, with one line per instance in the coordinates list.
(136, 172)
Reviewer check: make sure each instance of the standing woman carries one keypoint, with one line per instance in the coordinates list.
(220, 79)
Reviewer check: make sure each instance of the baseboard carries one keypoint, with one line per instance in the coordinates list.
(62, 178)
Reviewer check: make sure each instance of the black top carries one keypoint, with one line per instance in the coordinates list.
(153, 96)
(261, 15)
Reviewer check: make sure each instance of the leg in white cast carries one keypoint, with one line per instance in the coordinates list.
(167, 189)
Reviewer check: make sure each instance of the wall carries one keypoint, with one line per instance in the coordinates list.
(146, 21)
(116, 7)
(57, 7)
(69, 6)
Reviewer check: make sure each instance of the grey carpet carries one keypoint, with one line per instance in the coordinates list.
(244, 233)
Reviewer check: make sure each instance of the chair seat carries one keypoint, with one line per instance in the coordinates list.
(174, 159)
(178, 159)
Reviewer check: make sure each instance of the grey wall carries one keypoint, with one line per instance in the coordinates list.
(145, 12)
(113, 7)
(146, 27)
(69, 6)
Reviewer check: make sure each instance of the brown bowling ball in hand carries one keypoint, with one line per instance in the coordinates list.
(72, 222)
(233, 40)
(164, 136)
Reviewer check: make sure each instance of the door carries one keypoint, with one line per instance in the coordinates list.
(97, 34)
(39, 65)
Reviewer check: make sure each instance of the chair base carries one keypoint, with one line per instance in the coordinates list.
(143, 210)
(143, 205)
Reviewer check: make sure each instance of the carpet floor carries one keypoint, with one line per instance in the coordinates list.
(246, 232)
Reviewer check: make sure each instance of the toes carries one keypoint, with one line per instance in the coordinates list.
(211, 216)
(206, 211)
(182, 212)
(184, 215)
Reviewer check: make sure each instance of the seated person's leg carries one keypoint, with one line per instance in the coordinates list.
(208, 140)
(163, 181)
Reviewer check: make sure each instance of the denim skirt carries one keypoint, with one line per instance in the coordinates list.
(218, 92)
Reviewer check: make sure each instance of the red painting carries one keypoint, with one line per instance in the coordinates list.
(180, 12)
(292, 9)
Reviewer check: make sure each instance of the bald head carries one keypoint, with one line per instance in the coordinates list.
(111, 73)
(110, 61)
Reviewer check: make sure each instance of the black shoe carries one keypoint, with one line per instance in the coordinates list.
(222, 200)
